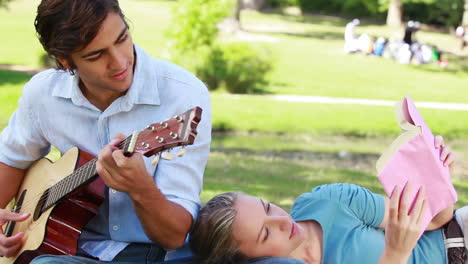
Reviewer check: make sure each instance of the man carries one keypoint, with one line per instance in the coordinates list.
(105, 85)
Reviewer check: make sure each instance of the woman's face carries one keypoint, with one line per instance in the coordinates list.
(264, 229)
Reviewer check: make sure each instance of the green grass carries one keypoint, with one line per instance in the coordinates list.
(286, 142)
(260, 114)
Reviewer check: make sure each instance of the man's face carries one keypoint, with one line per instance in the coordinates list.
(105, 65)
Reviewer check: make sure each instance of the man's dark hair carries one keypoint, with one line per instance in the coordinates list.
(66, 26)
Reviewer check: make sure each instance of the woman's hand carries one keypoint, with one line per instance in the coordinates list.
(447, 156)
(404, 226)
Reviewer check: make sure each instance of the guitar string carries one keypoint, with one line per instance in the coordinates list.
(86, 166)
(35, 200)
(71, 176)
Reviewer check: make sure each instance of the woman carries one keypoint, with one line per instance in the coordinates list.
(337, 223)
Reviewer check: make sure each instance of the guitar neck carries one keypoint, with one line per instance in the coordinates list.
(73, 181)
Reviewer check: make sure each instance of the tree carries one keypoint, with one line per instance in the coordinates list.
(395, 13)
(465, 14)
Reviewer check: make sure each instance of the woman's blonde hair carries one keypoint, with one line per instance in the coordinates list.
(211, 239)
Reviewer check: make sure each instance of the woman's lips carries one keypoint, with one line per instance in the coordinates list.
(294, 229)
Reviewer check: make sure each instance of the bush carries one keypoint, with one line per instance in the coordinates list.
(240, 67)
(212, 68)
(194, 24)
(246, 68)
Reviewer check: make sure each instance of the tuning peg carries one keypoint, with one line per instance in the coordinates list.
(155, 161)
(167, 155)
(181, 152)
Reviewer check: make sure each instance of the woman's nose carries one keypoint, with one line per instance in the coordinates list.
(283, 222)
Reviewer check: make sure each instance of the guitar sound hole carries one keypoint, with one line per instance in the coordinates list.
(40, 205)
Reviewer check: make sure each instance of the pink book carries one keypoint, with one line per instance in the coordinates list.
(412, 158)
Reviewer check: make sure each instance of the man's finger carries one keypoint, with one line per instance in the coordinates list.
(117, 139)
(13, 240)
(6, 216)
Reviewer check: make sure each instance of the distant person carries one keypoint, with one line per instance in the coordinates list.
(411, 28)
(461, 34)
(365, 44)
(379, 46)
(351, 43)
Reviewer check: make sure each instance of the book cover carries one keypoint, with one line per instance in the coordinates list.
(412, 158)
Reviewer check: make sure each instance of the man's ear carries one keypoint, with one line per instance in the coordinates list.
(64, 63)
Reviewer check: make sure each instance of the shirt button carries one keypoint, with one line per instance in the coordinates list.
(113, 191)
(115, 228)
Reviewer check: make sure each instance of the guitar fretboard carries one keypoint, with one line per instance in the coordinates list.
(74, 180)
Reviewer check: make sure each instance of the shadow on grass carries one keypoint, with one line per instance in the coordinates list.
(13, 77)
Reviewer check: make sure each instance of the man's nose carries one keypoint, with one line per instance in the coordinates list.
(117, 59)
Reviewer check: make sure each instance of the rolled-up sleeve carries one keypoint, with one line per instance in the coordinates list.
(21, 142)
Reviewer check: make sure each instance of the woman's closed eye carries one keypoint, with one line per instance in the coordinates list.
(267, 211)
(267, 232)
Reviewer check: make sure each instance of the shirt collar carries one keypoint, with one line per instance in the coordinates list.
(144, 88)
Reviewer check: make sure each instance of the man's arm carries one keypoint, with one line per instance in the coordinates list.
(165, 222)
(10, 180)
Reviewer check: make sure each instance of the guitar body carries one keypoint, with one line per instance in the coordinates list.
(63, 196)
(56, 231)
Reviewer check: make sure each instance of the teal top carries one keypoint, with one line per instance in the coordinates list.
(350, 217)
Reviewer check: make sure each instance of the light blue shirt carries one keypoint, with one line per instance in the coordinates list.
(53, 111)
(350, 216)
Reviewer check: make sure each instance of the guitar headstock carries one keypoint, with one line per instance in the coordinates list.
(180, 130)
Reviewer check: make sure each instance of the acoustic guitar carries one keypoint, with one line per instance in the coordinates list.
(63, 196)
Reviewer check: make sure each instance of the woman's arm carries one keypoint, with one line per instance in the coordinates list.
(403, 228)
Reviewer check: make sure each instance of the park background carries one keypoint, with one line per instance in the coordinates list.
(273, 148)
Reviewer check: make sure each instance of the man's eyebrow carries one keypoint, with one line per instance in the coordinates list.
(89, 54)
(122, 33)
(263, 226)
